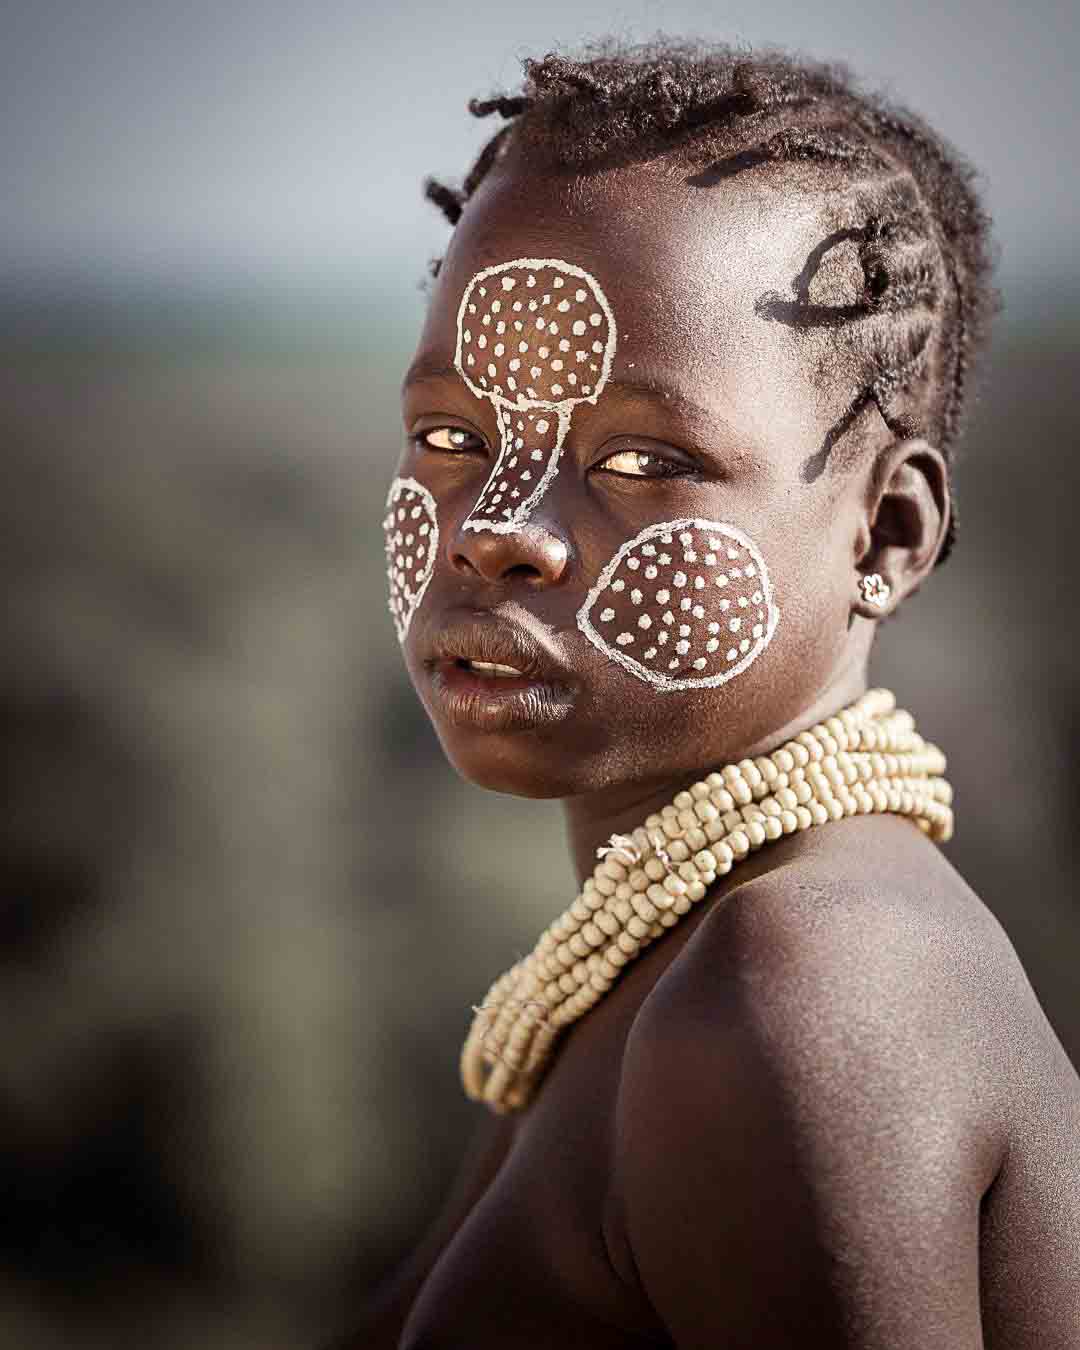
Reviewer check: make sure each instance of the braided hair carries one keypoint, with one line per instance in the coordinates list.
(905, 207)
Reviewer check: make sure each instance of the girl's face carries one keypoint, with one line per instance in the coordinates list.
(612, 481)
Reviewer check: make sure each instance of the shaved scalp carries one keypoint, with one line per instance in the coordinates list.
(910, 297)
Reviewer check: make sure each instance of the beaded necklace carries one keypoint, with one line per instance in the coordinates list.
(866, 758)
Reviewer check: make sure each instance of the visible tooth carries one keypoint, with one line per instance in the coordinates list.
(493, 668)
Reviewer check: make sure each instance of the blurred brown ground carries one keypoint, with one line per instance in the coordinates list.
(245, 904)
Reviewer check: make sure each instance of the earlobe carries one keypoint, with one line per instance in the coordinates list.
(904, 526)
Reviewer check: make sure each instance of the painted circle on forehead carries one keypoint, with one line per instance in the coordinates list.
(411, 534)
(690, 642)
(592, 304)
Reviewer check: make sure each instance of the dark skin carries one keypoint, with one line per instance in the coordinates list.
(827, 1109)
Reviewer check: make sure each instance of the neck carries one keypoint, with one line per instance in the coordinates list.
(592, 818)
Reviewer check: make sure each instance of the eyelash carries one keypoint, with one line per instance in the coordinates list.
(673, 469)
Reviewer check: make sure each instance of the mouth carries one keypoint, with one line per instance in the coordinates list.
(493, 675)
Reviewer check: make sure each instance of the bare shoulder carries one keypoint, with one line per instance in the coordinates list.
(821, 1082)
(870, 976)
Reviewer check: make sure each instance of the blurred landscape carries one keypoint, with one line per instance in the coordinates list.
(245, 906)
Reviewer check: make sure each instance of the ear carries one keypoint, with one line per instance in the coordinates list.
(903, 525)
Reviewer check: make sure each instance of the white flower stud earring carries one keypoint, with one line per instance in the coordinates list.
(875, 589)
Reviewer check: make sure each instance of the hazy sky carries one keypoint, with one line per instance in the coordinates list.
(170, 135)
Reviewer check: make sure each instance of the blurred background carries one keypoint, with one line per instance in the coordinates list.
(245, 905)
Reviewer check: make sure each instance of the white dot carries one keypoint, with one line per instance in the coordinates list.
(749, 570)
(699, 583)
(698, 612)
(515, 364)
(685, 603)
(481, 341)
(580, 295)
(535, 372)
(756, 597)
(496, 305)
(662, 637)
(564, 346)
(686, 539)
(543, 353)
(491, 370)
(578, 327)
(700, 663)
(625, 639)
(538, 454)
(541, 323)
(744, 645)
(530, 281)
(682, 647)
(743, 602)
(606, 615)
(733, 552)
(662, 597)
(636, 596)
(556, 389)
(558, 282)
(649, 550)
(618, 584)
(732, 654)
(664, 559)
(644, 621)
(500, 327)
(650, 654)
(734, 624)
(712, 645)
(596, 320)
(684, 630)
(517, 304)
(669, 618)
(468, 334)
(650, 571)
(679, 578)
(720, 579)
(597, 347)
(508, 283)
(557, 365)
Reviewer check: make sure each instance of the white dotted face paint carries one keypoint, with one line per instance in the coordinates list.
(536, 337)
(412, 543)
(686, 604)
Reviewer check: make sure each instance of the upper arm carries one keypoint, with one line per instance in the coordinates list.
(796, 1145)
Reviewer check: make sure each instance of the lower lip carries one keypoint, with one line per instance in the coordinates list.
(497, 703)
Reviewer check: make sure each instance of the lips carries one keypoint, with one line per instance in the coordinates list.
(489, 674)
(495, 648)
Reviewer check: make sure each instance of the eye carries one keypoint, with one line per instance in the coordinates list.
(450, 439)
(643, 464)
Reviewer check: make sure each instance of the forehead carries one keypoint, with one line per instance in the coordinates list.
(684, 269)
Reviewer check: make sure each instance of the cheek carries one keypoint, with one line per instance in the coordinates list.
(411, 533)
(685, 604)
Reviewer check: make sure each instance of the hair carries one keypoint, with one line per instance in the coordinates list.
(906, 207)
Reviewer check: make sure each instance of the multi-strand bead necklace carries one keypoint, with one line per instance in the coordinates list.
(866, 758)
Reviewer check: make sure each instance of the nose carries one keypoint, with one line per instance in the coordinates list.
(532, 552)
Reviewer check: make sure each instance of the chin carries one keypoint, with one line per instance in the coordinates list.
(520, 764)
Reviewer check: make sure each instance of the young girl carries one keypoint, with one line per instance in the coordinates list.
(679, 437)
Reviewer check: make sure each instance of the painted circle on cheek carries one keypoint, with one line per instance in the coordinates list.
(709, 606)
(411, 533)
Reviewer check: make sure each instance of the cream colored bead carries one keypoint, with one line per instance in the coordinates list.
(639, 879)
(659, 896)
(637, 927)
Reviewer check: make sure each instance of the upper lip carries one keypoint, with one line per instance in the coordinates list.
(489, 637)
